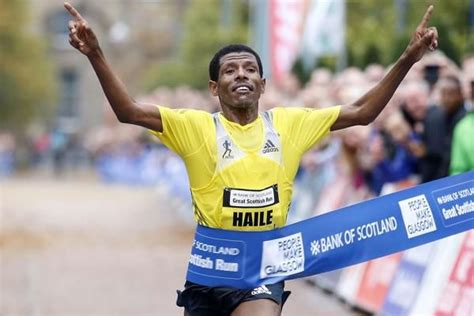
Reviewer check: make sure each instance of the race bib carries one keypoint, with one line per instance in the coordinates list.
(244, 209)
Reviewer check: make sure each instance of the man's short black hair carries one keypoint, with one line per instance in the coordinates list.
(214, 65)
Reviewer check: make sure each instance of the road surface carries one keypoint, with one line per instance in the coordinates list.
(78, 247)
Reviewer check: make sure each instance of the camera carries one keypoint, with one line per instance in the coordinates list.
(431, 74)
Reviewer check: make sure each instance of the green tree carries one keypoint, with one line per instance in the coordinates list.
(26, 78)
(205, 30)
(452, 21)
(372, 35)
(370, 31)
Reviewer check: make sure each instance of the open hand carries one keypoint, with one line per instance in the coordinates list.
(81, 35)
(425, 38)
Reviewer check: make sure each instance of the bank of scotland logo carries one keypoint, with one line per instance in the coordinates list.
(315, 247)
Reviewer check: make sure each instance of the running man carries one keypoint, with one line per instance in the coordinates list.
(248, 188)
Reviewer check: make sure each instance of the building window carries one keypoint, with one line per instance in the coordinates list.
(57, 25)
(69, 92)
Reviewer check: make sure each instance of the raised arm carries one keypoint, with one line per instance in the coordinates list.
(367, 108)
(126, 109)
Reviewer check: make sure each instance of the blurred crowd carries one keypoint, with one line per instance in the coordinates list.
(423, 134)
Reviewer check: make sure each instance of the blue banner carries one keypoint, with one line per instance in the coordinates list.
(334, 240)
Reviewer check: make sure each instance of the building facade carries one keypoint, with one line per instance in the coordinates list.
(133, 35)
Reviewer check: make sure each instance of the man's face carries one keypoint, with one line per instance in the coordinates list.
(416, 103)
(451, 97)
(239, 85)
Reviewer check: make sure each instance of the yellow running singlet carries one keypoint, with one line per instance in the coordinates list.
(241, 177)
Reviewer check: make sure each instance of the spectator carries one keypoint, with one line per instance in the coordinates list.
(462, 151)
(415, 101)
(396, 160)
(442, 123)
(7, 153)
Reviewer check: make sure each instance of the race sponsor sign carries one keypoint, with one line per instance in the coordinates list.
(217, 257)
(382, 226)
(376, 281)
(435, 277)
(458, 295)
(417, 216)
(407, 280)
(283, 256)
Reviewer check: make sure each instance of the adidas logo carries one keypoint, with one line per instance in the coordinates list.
(261, 290)
(269, 147)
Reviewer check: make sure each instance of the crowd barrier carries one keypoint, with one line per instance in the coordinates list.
(432, 279)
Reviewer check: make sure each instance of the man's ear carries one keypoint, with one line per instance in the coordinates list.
(213, 87)
(264, 82)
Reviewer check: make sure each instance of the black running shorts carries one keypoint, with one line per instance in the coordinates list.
(199, 300)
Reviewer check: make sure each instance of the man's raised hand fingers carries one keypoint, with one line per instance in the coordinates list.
(73, 12)
(426, 17)
(72, 26)
(73, 43)
(83, 30)
(73, 31)
(434, 38)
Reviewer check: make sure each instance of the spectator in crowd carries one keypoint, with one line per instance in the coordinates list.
(468, 75)
(348, 184)
(7, 154)
(462, 150)
(317, 172)
(59, 146)
(397, 147)
(438, 129)
(415, 103)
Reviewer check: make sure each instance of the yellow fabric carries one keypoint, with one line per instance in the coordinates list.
(192, 135)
